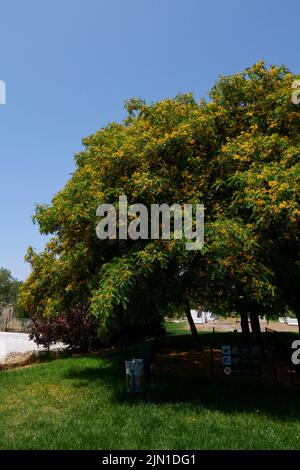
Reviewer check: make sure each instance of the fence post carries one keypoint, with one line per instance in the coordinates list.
(291, 371)
(274, 357)
(212, 352)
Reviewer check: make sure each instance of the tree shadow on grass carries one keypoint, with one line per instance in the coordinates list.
(228, 395)
(90, 375)
(107, 373)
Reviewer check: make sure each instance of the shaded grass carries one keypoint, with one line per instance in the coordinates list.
(80, 403)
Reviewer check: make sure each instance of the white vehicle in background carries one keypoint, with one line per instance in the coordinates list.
(200, 317)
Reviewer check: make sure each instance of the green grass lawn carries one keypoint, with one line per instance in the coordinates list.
(80, 403)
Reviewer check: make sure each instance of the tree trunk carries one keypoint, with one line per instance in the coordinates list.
(245, 327)
(255, 327)
(193, 328)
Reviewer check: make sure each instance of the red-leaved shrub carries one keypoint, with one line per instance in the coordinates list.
(77, 330)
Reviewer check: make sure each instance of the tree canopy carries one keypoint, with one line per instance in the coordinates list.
(9, 287)
(238, 153)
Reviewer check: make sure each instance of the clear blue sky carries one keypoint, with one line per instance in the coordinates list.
(70, 64)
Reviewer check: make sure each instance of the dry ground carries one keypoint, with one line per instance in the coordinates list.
(231, 324)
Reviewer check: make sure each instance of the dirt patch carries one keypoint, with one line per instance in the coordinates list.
(233, 324)
(206, 363)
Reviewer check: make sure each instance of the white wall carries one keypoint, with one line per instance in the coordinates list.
(288, 320)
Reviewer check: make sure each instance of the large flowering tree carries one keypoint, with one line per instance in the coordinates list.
(237, 153)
